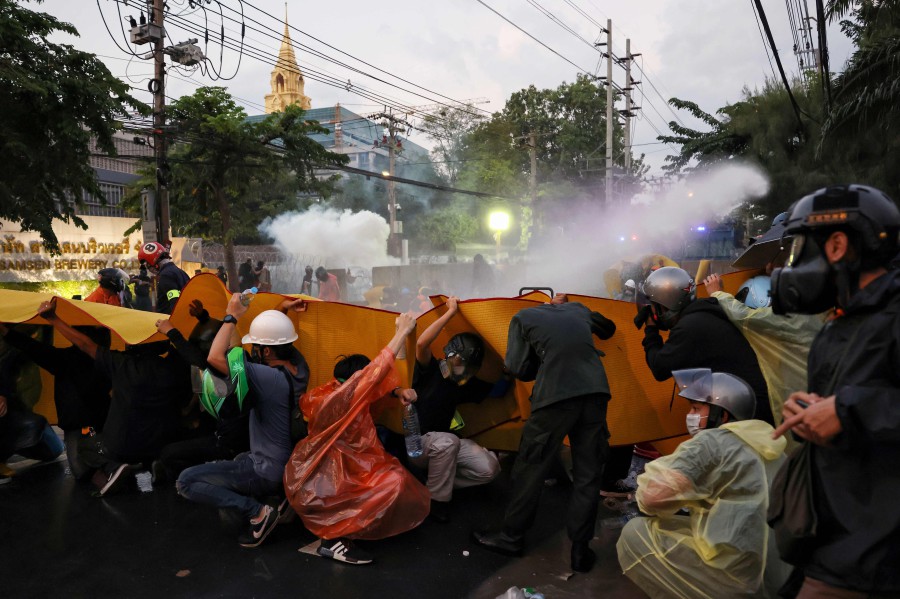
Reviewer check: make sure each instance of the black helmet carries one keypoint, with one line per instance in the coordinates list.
(810, 283)
(463, 356)
(868, 212)
(111, 279)
(467, 346)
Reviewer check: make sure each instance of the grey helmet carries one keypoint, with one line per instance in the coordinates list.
(728, 392)
(670, 288)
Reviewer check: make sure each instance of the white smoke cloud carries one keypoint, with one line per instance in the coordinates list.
(588, 245)
(337, 239)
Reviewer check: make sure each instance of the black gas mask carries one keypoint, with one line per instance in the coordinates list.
(807, 283)
(463, 357)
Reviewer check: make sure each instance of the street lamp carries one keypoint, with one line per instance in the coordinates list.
(498, 222)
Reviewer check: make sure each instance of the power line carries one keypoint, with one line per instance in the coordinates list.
(765, 22)
(580, 70)
(762, 37)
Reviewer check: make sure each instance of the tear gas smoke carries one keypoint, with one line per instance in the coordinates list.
(575, 258)
(337, 239)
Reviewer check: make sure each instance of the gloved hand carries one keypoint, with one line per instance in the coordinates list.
(644, 314)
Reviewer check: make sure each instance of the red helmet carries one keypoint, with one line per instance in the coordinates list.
(152, 252)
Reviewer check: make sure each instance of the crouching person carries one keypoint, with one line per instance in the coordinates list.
(721, 477)
(265, 383)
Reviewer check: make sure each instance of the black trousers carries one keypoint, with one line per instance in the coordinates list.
(583, 419)
(180, 455)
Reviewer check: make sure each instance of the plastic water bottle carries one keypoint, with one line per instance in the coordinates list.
(247, 295)
(532, 593)
(413, 436)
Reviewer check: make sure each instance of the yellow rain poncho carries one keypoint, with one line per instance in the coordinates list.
(724, 547)
(781, 345)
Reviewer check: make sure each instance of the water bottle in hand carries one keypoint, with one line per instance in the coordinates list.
(411, 427)
(247, 295)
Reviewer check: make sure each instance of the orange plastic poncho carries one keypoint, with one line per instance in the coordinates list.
(340, 479)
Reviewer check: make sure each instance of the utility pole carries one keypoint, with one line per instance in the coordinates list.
(609, 113)
(532, 183)
(629, 106)
(158, 87)
(394, 145)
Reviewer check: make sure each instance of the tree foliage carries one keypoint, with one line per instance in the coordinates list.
(229, 173)
(854, 139)
(53, 100)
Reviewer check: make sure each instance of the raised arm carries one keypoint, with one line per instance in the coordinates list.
(406, 324)
(47, 310)
(423, 344)
(218, 352)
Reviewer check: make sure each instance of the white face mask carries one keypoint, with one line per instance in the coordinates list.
(693, 423)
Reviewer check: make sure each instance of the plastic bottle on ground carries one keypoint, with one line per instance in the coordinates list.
(411, 427)
(617, 522)
(247, 295)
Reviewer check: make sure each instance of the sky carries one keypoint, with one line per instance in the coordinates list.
(706, 51)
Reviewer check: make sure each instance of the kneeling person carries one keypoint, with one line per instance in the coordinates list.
(451, 462)
(271, 381)
(721, 476)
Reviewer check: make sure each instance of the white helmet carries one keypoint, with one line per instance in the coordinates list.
(271, 328)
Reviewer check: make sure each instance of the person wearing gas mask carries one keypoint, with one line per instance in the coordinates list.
(552, 344)
(700, 334)
(440, 386)
(721, 476)
(109, 289)
(266, 384)
(170, 279)
(844, 238)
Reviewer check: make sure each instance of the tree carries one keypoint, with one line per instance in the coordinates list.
(229, 172)
(448, 127)
(54, 100)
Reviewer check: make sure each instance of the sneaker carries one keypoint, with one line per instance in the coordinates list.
(343, 550)
(114, 479)
(260, 527)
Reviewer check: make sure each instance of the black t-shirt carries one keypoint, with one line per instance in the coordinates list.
(146, 392)
(438, 397)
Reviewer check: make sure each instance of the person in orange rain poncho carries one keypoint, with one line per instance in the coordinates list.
(340, 479)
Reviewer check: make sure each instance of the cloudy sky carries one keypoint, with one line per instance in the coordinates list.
(701, 50)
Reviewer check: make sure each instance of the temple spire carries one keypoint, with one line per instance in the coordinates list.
(287, 79)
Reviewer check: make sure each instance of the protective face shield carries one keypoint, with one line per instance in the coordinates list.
(806, 284)
(755, 292)
(693, 423)
(722, 391)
